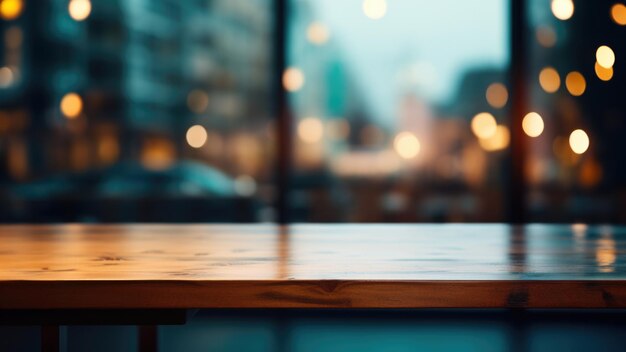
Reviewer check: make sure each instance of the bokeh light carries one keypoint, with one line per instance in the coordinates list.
(311, 129)
(11, 9)
(198, 101)
(562, 9)
(606, 253)
(196, 136)
(293, 79)
(546, 36)
(497, 95)
(604, 74)
(375, 9)
(605, 56)
(618, 14)
(407, 145)
(71, 105)
(6, 77)
(590, 172)
(575, 83)
(79, 10)
(549, 80)
(108, 148)
(484, 125)
(317, 33)
(579, 141)
(13, 37)
(157, 153)
(532, 124)
(499, 140)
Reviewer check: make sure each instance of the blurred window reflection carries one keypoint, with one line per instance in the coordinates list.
(136, 110)
(402, 80)
(576, 168)
(163, 110)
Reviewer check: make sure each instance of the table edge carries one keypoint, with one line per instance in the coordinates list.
(314, 294)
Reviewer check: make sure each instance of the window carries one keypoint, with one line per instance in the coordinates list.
(400, 110)
(152, 110)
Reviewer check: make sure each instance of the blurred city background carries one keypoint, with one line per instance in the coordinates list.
(165, 110)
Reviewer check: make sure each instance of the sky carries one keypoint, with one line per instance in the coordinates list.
(419, 45)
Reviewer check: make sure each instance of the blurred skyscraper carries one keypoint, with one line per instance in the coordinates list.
(91, 84)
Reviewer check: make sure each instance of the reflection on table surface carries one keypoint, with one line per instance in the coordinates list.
(302, 252)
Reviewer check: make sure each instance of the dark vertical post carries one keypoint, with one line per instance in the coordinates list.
(50, 338)
(37, 97)
(519, 102)
(283, 118)
(519, 334)
(517, 176)
(148, 338)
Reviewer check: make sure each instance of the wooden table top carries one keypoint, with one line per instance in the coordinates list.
(312, 266)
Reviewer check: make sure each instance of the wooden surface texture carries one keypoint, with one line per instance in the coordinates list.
(312, 266)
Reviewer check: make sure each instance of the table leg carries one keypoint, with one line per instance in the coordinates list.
(148, 338)
(519, 335)
(50, 338)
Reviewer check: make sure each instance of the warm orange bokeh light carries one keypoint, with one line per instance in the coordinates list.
(497, 95)
(618, 14)
(317, 33)
(498, 141)
(484, 125)
(562, 9)
(579, 141)
(604, 74)
(71, 105)
(575, 83)
(549, 80)
(546, 36)
(196, 136)
(11, 9)
(605, 56)
(407, 145)
(79, 10)
(532, 124)
(311, 129)
(293, 79)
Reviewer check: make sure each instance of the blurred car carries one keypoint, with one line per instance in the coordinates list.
(185, 192)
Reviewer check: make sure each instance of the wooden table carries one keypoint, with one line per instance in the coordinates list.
(172, 268)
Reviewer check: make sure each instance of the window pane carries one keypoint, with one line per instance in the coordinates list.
(135, 110)
(384, 96)
(576, 167)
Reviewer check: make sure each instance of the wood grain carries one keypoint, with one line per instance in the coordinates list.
(311, 266)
